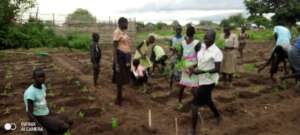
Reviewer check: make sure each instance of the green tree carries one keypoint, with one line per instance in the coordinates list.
(286, 11)
(140, 26)
(260, 21)
(161, 25)
(80, 17)
(175, 23)
(234, 21)
(10, 9)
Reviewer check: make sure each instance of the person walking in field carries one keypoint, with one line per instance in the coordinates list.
(242, 41)
(176, 49)
(158, 56)
(122, 58)
(142, 53)
(37, 108)
(209, 60)
(95, 53)
(228, 67)
(189, 56)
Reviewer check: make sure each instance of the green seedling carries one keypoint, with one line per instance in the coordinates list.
(67, 133)
(114, 123)
(91, 98)
(61, 110)
(283, 85)
(249, 68)
(81, 114)
(84, 89)
(7, 111)
(41, 54)
(77, 82)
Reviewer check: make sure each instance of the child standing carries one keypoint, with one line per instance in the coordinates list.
(95, 53)
(243, 41)
(176, 46)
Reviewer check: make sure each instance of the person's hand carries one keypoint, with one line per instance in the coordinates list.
(117, 68)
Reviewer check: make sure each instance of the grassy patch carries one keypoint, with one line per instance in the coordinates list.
(249, 68)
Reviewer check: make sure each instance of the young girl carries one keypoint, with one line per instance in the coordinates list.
(230, 56)
(122, 58)
(190, 57)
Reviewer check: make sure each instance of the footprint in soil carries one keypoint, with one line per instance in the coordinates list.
(247, 94)
(258, 80)
(223, 99)
(241, 84)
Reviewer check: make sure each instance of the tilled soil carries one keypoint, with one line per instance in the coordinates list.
(253, 106)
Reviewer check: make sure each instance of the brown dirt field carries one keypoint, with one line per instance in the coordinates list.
(254, 106)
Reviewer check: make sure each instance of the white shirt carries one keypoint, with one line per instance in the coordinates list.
(207, 57)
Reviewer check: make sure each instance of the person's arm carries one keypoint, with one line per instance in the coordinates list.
(115, 44)
(139, 49)
(198, 47)
(32, 118)
(275, 36)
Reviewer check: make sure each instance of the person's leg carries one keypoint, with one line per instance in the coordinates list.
(96, 73)
(53, 125)
(119, 95)
(230, 79)
(195, 118)
(181, 91)
(171, 80)
(225, 78)
(197, 102)
(210, 103)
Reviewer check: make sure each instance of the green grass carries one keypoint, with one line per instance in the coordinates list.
(254, 35)
(249, 68)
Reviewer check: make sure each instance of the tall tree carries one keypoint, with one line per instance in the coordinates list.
(80, 16)
(286, 11)
(10, 9)
(234, 21)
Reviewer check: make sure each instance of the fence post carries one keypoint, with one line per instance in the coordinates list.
(53, 19)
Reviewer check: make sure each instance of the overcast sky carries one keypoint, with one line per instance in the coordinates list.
(146, 10)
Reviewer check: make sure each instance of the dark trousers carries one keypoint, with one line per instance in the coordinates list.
(53, 124)
(278, 55)
(96, 71)
(203, 96)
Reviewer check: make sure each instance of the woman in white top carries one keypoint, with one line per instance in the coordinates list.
(209, 60)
